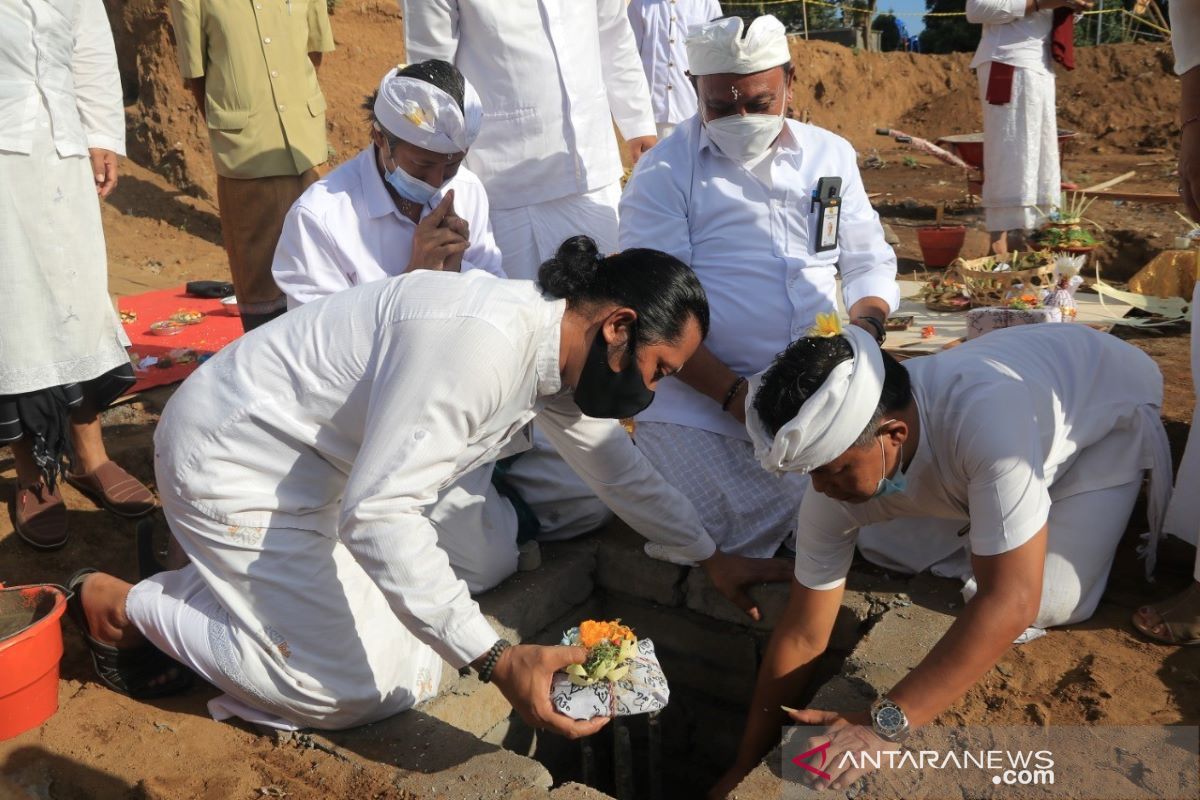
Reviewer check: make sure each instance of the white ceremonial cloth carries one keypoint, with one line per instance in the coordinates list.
(1185, 35)
(1011, 423)
(59, 55)
(345, 230)
(552, 75)
(1020, 156)
(749, 243)
(1183, 513)
(342, 421)
(57, 323)
(729, 45)
(423, 115)
(1010, 36)
(660, 29)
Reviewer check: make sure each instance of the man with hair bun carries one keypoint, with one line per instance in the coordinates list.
(769, 212)
(1033, 439)
(298, 466)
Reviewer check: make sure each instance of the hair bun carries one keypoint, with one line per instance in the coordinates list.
(573, 268)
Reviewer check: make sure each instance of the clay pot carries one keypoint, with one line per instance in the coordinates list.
(941, 244)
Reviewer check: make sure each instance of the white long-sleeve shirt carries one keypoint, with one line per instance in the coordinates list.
(345, 230)
(749, 243)
(1185, 35)
(59, 52)
(552, 76)
(348, 415)
(1010, 36)
(660, 28)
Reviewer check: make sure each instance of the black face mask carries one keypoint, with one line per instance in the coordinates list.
(607, 394)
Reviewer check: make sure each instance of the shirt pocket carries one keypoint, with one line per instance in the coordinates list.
(225, 119)
(508, 136)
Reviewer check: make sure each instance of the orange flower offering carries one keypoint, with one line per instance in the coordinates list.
(592, 632)
(187, 316)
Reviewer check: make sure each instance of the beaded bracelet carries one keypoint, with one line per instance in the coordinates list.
(493, 656)
(733, 390)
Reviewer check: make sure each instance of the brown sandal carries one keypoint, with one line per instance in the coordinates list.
(1179, 618)
(114, 489)
(39, 516)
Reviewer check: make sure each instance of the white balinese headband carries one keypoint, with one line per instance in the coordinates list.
(423, 115)
(719, 46)
(829, 421)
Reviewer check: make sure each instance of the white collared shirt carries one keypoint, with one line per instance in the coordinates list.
(59, 52)
(348, 415)
(552, 76)
(1003, 420)
(345, 230)
(1010, 36)
(660, 28)
(750, 245)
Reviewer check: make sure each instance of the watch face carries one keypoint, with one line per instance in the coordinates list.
(890, 718)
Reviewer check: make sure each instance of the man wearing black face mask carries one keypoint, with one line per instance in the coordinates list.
(768, 212)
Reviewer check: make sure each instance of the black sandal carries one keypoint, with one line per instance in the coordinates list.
(130, 671)
(147, 556)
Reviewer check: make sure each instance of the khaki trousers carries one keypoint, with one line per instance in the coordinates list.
(252, 212)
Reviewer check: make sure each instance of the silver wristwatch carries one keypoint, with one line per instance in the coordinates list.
(888, 720)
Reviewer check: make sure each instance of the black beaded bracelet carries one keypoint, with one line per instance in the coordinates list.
(880, 330)
(493, 656)
(733, 390)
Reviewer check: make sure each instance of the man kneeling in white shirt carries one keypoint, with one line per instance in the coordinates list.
(1034, 439)
(730, 194)
(404, 203)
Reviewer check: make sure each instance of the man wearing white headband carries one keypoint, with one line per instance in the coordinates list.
(1030, 442)
(405, 202)
(731, 193)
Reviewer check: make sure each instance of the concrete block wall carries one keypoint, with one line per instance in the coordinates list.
(709, 649)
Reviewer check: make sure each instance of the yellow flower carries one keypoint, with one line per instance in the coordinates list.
(827, 325)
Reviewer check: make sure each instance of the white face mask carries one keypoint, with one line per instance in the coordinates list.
(744, 138)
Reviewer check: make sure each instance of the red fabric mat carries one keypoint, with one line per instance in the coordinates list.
(217, 329)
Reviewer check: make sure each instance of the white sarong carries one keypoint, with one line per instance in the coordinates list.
(747, 510)
(1020, 155)
(1183, 514)
(57, 324)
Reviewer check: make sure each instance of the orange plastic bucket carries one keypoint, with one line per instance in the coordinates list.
(31, 646)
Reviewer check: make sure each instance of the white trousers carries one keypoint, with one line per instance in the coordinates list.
(1183, 514)
(746, 510)
(1020, 155)
(527, 236)
(286, 623)
(1084, 531)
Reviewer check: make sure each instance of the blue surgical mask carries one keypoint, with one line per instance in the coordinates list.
(408, 187)
(895, 484)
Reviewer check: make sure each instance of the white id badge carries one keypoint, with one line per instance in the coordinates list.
(829, 227)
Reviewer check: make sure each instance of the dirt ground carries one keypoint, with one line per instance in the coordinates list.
(163, 229)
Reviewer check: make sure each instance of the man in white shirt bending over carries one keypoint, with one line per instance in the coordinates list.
(731, 193)
(660, 28)
(553, 75)
(1015, 64)
(1036, 437)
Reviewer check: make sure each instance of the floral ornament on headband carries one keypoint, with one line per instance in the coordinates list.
(828, 326)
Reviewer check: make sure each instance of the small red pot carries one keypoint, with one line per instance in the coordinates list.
(941, 244)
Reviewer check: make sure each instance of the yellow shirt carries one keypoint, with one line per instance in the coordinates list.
(265, 110)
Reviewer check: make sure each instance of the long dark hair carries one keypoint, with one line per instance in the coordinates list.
(663, 290)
